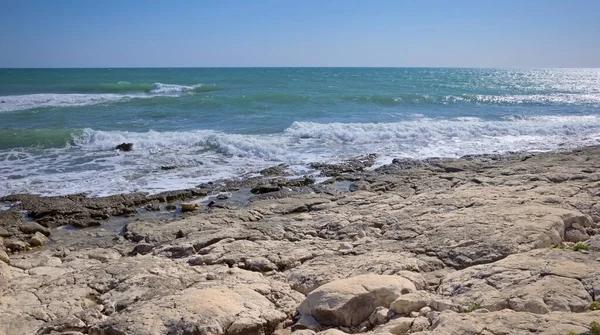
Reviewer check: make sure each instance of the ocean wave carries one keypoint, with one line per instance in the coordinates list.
(228, 145)
(90, 163)
(425, 131)
(13, 103)
(160, 88)
(521, 99)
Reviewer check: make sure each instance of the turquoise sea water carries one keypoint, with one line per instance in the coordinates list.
(59, 127)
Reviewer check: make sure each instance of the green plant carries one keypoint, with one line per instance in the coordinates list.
(575, 247)
(580, 246)
(474, 306)
(595, 328)
(573, 333)
(594, 306)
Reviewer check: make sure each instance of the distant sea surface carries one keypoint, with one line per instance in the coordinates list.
(59, 127)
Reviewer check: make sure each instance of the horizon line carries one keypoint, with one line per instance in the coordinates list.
(286, 67)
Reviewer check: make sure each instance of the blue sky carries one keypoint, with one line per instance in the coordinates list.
(445, 33)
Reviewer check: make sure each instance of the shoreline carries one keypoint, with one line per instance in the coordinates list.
(432, 246)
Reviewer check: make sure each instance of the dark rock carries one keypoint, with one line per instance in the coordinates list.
(222, 196)
(34, 227)
(168, 167)
(142, 249)
(125, 147)
(16, 245)
(278, 170)
(265, 188)
(180, 234)
(171, 207)
(85, 223)
(357, 164)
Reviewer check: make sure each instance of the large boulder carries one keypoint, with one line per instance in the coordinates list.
(348, 302)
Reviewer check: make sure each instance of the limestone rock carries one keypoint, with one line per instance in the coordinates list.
(537, 281)
(507, 321)
(4, 257)
(396, 326)
(38, 239)
(214, 311)
(411, 302)
(348, 302)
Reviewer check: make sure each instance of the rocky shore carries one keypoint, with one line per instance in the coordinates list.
(481, 245)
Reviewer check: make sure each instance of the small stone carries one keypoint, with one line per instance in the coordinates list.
(171, 207)
(4, 257)
(38, 239)
(346, 246)
(424, 311)
(189, 206)
(211, 276)
(223, 196)
(380, 316)
(414, 314)
(481, 310)
(421, 323)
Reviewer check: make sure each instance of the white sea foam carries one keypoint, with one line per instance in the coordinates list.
(160, 88)
(93, 166)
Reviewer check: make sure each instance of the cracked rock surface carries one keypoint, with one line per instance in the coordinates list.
(482, 245)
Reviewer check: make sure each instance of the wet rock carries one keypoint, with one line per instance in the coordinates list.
(170, 207)
(189, 206)
(265, 188)
(124, 147)
(38, 239)
(152, 207)
(223, 196)
(357, 164)
(34, 227)
(278, 170)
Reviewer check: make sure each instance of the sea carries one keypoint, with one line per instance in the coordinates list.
(59, 127)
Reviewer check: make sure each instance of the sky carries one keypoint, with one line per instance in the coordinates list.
(256, 33)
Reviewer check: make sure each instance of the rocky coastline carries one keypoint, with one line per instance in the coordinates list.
(492, 244)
